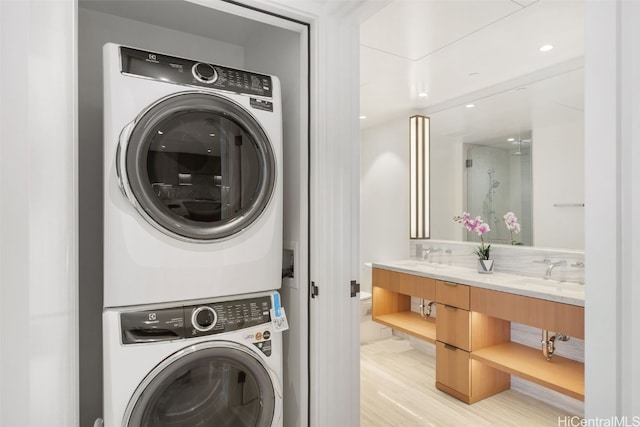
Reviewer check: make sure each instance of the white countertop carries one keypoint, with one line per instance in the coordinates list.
(551, 290)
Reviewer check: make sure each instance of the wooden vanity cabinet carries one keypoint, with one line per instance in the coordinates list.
(453, 326)
(453, 370)
(452, 294)
(475, 357)
(391, 302)
(458, 332)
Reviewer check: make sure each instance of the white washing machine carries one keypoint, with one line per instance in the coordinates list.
(192, 179)
(215, 362)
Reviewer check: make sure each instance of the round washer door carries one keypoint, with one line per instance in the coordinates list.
(197, 166)
(209, 384)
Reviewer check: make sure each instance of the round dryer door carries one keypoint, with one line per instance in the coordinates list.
(210, 384)
(197, 166)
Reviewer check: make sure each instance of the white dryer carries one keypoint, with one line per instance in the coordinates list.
(192, 179)
(215, 362)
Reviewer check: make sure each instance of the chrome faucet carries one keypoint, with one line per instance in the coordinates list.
(550, 266)
(429, 251)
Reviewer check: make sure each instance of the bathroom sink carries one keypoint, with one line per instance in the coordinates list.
(535, 283)
(418, 265)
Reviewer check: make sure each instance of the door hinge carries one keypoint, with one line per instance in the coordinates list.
(314, 290)
(468, 163)
(355, 288)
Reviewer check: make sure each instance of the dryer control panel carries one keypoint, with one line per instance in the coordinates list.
(167, 324)
(183, 71)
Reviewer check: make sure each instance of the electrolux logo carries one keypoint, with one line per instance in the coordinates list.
(152, 58)
(575, 421)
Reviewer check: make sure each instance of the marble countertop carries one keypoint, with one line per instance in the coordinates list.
(551, 290)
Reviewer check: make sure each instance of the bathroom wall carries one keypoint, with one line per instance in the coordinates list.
(384, 195)
(384, 191)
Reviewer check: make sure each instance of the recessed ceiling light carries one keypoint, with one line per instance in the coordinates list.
(423, 94)
(212, 134)
(546, 48)
(363, 117)
(511, 139)
(160, 132)
(470, 105)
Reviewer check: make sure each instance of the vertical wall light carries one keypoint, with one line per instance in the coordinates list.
(419, 177)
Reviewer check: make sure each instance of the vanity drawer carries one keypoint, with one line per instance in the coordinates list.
(453, 326)
(452, 294)
(453, 368)
(406, 284)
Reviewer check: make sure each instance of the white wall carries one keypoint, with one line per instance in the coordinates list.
(38, 215)
(384, 190)
(558, 178)
(384, 194)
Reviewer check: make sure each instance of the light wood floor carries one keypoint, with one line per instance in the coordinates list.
(398, 389)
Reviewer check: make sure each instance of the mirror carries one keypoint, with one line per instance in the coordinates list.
(435, 58)
(519, 150)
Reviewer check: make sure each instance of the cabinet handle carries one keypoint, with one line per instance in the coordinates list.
(450, 284)
(450, 307)
(450, 347)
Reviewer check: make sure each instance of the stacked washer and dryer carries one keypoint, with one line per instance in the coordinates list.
(192, 243)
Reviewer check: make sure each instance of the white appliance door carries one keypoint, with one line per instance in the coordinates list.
(212, 383)
(197, 166)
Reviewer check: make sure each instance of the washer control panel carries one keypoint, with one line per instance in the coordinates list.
(183, 71)
(227, 316)
(216, 317)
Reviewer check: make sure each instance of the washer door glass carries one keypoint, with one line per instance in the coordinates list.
(215, 386)
(199, 166)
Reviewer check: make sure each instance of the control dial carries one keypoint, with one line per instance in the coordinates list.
(204, 73)
(204, 318)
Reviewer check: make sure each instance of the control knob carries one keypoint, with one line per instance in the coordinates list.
(204, 73)
(204, 318)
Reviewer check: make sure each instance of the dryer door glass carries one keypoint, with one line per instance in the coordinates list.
(219, 386)
(199, 166)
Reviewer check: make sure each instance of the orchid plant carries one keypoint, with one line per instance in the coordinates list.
(511, 221)
(476, 224)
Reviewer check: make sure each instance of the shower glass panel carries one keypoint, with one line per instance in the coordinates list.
(499, 181)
